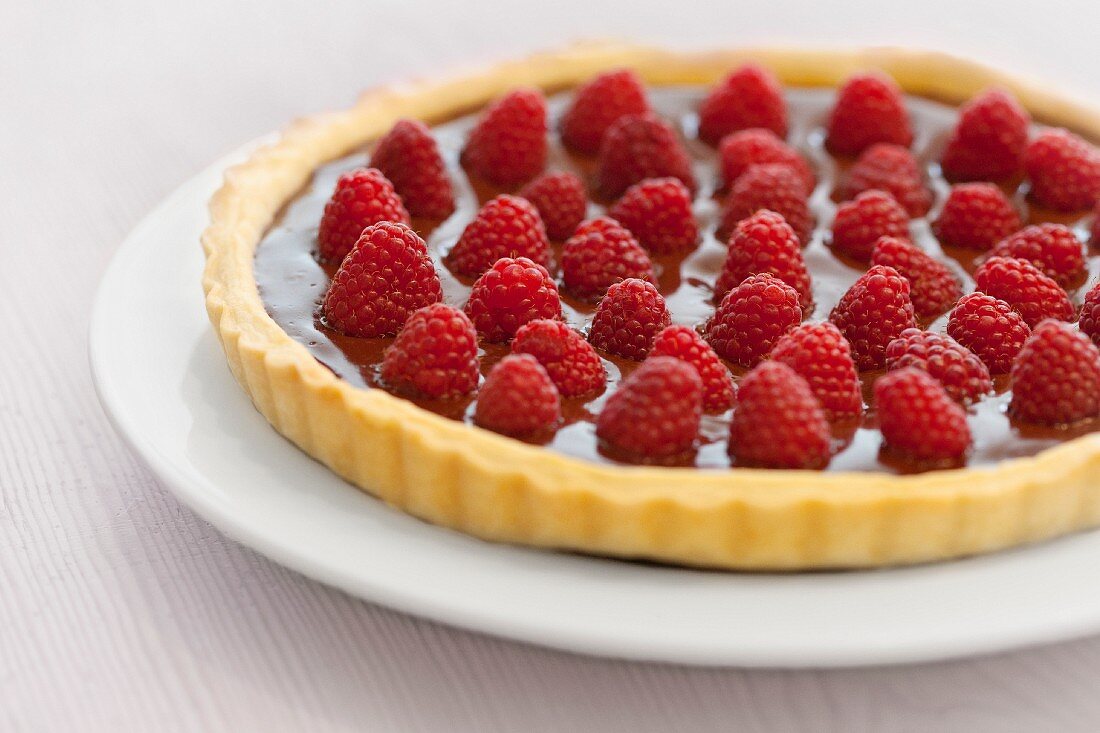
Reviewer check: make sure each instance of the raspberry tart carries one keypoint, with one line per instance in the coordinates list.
(768, 309)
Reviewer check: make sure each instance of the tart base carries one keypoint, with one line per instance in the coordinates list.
(499, 489)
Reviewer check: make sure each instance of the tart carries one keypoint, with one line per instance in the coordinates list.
(650, 461)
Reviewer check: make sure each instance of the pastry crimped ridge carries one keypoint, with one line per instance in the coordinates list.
(496, 488)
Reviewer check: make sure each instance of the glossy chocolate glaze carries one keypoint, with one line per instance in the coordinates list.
(292, 282)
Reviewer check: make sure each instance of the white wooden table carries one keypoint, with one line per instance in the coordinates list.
(121, 611)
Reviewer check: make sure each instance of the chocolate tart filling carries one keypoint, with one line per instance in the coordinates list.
(292, 282)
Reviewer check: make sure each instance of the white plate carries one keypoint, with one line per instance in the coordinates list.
(163, 380)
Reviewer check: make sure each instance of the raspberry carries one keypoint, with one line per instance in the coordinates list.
(410, 158)
(434, 354)
(1064, 171)
(386, 276)
(560, 200)
(976, 216)
(599, 255)
(918, 419)
(655, 412)
(599, 103)
(518, 398)
(990, 328)
(1020, 284)
(637, 147)
(749, 97)
(1094, 230)
(933, 288)
(764, 242)
(869, 109)
(961, 373)
(508, 145)
(1090, 315)
(506, 226)
(362, 197)
(989, 140)
(757, 146)
(628, 319)
(778, 422)
(658, 212)
(1053, 248)
(860, 222)
(509, 294)
(751, 318)
(683, 342)
(820, 354)
(872, 313)
(889, 168)
(1056, 377)
(570, 361)
(771, 186)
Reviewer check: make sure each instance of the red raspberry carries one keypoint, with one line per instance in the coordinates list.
(560, 200)
(772, 186)
(757, 146)
(778, 422)
(518, 398)
(1090, 315)
(889, 168)
(821, 355)
(655, 412)
(1064, 171)
(658, 212)
(599, 103)
(1020, 284)
(765, 242)
(933, 288)
(749, 97)
(628, 319)
(872, 313)
(509, 294)
(508, 145)
(683, 342)
(362, 197)
(637, 147)
(385, 277)
(1056, 377)
(989, 140)
(869, 109)
(1053, 248)
(860, 222)
(506, 226)
(976, 216)
(570, 361)
(600, 254)
(409, 157)
(751, 318)
(918, 419)
(434, 354)
(990, 328)
(1094, 230)
(963, 375)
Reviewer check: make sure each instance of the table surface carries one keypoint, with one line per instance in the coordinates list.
(123, 611)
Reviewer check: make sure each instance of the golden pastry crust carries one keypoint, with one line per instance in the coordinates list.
(499, 489)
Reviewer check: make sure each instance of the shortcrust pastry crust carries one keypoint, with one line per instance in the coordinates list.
(499, 489)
